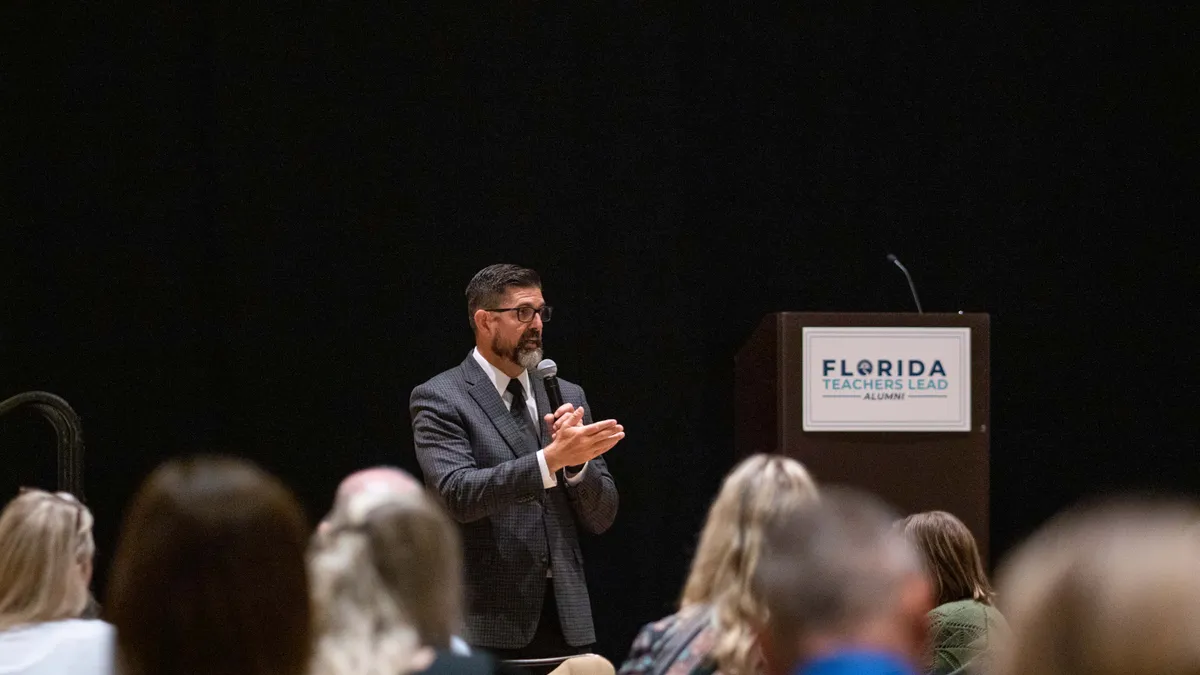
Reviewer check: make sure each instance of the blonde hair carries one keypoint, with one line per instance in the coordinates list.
(44, 539)
(1110, 591)
(387, 583)
(758, 489)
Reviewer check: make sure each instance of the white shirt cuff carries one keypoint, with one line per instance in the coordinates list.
(549, 480)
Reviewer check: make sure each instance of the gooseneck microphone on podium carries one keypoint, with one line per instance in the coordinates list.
(547, 370)
(911, 286)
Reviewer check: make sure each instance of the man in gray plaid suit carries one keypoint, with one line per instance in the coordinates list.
(521, 479)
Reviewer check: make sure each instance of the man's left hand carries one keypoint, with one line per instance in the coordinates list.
(560, 417)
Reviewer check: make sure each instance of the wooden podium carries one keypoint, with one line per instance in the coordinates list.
(912, 470)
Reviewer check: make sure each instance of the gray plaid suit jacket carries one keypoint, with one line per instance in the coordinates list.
(485, 470)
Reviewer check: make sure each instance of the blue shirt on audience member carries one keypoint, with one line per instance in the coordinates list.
(857, 663)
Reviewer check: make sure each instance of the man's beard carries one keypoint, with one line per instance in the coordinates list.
(522, 352)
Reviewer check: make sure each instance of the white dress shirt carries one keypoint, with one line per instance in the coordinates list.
(501, 381)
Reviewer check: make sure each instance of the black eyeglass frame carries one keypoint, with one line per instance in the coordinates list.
(545, 311)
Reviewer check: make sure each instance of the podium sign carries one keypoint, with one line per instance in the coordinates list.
(886, 379)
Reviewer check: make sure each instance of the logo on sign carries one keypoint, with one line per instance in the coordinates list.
(884, 379)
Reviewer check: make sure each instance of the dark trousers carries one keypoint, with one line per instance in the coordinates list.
(548, 639)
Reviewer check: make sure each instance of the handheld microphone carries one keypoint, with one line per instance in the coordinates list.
(911, 286)
(548, 371)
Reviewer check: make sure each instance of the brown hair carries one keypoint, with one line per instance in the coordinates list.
(757, 489)
(46, 550)
(209, 574)
(951, 557)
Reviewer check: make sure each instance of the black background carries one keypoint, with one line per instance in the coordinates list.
(249, 229)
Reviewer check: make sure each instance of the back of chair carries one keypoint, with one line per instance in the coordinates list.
(543, 666)
(583, 664)
(68, 432)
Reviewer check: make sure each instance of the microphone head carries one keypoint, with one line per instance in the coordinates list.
(892, 258)
(546, 368)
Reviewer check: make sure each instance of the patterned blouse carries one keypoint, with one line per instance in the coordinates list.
(962, 634)
(676, 645)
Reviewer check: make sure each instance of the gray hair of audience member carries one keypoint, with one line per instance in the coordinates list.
(838, 575)
(387, 583)
(375, 479)
(387, 479)
(1106, 590)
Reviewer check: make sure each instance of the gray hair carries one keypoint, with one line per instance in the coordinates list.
(832, 567)
(387, 584)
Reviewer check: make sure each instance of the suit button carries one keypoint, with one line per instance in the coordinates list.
(545, 560)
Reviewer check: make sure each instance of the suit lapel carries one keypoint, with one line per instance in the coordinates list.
(480, 386)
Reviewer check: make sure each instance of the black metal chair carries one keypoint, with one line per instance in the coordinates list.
(541, 666)
(595, 664)
(68, 431)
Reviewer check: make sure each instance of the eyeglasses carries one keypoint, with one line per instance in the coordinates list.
(66, 497)
(525, 314)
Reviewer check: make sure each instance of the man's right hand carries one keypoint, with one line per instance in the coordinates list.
(576, 443)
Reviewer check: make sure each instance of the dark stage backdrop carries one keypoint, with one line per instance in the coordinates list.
(246, 229)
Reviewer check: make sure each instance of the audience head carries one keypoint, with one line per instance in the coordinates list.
(375, 479)
(209, 574)
(755, 490)
(759, 488)
(46, 550)
(1106, 591)
(951, 557)
(838, 576)
(386, 582)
